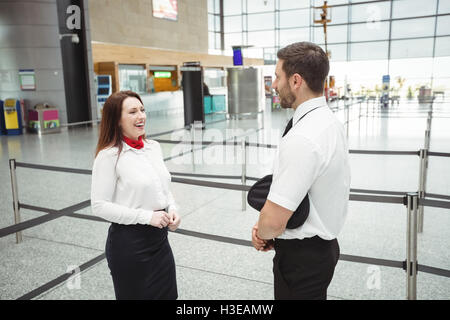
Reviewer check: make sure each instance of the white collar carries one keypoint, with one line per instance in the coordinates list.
(126, 147)
(307, 106)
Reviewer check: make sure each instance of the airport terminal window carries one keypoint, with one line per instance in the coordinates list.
(338, 15)
(413, 48)
(211, 25)
(233, 39)
(364, 25)
(444, 7)
(369, 31)
(231, 7)
(442, 47)
(260, 6)
(262, 38)
(368, 12)
(289, 36)
(132, 77)
(294, 4)
(295, 18)
(413, 28)
(233, 24)
(338, 51)
(443, 26)
(260, 21)
(335, 34)
(214, 6)
(318, 3)
(369, 50)
(413, 8)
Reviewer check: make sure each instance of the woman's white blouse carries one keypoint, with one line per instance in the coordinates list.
(128, 192)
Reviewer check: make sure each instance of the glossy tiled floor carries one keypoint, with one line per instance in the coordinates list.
(209, 269)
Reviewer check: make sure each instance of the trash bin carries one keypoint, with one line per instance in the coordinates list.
(192, 82)
(245, 91)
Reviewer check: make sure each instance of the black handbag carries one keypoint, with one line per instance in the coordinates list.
(257, 196)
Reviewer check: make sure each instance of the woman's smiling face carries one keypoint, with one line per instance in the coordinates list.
(132, 120)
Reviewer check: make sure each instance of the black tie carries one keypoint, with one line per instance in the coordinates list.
(288, 127)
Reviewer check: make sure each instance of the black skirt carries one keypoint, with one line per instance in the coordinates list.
(141, 262)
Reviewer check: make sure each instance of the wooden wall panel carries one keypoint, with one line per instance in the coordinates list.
(102, 52)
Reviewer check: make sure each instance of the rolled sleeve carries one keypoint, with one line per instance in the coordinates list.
(299, 163)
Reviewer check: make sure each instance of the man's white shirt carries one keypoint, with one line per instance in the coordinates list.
(313, 158)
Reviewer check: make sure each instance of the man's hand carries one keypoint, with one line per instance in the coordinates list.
(260, 244)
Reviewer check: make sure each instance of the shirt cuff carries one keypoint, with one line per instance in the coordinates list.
(172, 207)
(144, 216)
(282, 201)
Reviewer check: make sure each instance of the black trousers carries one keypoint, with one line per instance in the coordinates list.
(141, 262)
(303, 269)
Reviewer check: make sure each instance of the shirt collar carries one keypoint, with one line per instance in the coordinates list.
(307, 106)
(126, 147)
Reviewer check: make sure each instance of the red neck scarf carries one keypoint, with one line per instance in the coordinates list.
(137, 144)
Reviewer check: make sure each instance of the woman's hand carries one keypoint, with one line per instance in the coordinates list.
(174, 220)
(160, 219)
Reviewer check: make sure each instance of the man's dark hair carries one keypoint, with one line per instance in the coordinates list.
(308, 60)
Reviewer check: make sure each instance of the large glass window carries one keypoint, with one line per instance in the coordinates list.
(369, 31)
(294, 18)
(360, 29)
(335, 34)
(338, 51)
(444, 7)
(254, 6)
(232, 24)
(414, 48)
(260, 21)
(289, 36)
(262, 38)
(294, 4)
(413, 8)
(339, 15)
(370, 12)
(231, 7)
(442, 47)
(369, 50)
(443, 25)
(233, 39)
(413, 28)
(318, 3)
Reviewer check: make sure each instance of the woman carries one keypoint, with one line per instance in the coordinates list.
(130, 188)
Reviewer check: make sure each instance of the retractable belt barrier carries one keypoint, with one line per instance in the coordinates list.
(412, 201)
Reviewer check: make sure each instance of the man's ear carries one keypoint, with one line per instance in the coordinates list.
(296, 81)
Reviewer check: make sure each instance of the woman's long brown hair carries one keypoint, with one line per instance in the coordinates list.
(110, 132)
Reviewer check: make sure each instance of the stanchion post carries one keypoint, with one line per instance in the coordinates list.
(411, 246)
(192, 146)
(15, 193)
(348, 115)
(244, 172)
(423, 153)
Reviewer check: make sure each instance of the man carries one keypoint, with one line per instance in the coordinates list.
(312, 159)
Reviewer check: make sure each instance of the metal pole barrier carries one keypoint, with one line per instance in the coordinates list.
(192, 146)
(244, 172)
(411, 247)
(15, 193)
(422, 173)
(348, 115)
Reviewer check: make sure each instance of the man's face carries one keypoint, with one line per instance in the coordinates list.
(282, 87)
